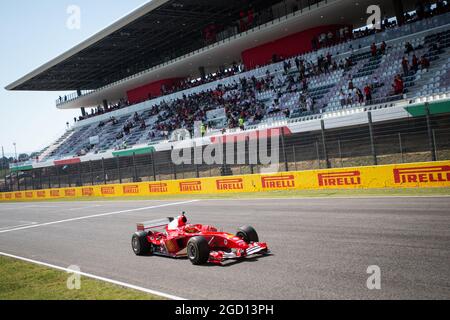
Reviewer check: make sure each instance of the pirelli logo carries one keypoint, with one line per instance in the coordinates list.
(278, 182)
(54, 193)
(230, 184)
(158, 187)
(133, 189)
(87, 192)
(1, 195)
(8, 196)
(40, 194)
(28, 194)
(422, 175)
(348, 178)
(191, 186)
(70, 192)
(108, 190)
(18, 195)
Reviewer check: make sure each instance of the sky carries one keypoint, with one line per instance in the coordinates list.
(32, 33)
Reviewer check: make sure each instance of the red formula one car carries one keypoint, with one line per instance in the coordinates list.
(200, 243)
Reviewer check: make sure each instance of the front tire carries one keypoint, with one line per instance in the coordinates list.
(248, 234)
(140, 244)
(198, 250)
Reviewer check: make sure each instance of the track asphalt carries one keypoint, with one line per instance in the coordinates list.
(321, 247)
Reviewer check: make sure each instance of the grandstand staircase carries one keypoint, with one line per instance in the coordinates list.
(47, 151)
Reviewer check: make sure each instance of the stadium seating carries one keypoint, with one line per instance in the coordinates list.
(280, 99)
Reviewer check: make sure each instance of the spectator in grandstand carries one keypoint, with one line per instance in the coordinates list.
(408, 48)
(373, 49)
(203, 129)
(143, 125)
(424, 63)
(309, 103)
(304, 84)
(330, 38)
(398, 85)
(383, 48)
(241, 122)
(127, 127)
(342, 98)
(242, 23)
(420, 10)
(376, 83)
(314, 43)
(297, 63)
(405, 66)
(351, 86)
(415, 63)
(368, 93)
(349, 99)
(348, 64)
(250, 17)
(322, 40)
(287, 66)
(359, 95)
(427, 10)
(442, 6)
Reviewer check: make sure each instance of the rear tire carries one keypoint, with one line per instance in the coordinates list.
(140, 244)
(198, 250)
(248, 234)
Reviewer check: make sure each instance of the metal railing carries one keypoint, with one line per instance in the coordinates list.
(414, 139)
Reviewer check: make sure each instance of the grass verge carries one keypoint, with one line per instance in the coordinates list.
(21, 280)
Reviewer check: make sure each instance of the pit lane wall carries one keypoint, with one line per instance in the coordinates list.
(413, 175)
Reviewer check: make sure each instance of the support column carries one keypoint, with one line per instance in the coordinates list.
(104, 171)
(202, 72)
(399, 11)
(372, 140)
(283, 146)
(324, 143)
(430, 133)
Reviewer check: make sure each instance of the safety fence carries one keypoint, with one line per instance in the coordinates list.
(415, 175)
(414, 139)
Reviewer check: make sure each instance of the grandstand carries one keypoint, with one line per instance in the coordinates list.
(220, 69)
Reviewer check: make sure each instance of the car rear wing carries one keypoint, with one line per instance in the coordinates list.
(160, 223)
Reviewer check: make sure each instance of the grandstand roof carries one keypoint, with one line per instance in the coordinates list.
(162, 30)
(156, 32)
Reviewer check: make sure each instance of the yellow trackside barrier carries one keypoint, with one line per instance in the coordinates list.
(413, 175)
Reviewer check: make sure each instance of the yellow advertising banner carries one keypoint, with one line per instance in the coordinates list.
(413, 175)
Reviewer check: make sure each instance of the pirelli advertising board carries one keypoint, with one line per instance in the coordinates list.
(414, 175)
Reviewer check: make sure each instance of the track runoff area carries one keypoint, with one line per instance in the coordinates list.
(322, 248)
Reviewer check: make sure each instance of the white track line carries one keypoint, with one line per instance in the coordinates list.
(86, 202)
(98, 215)
(325, 198)
(119, 283)
(20, 225)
